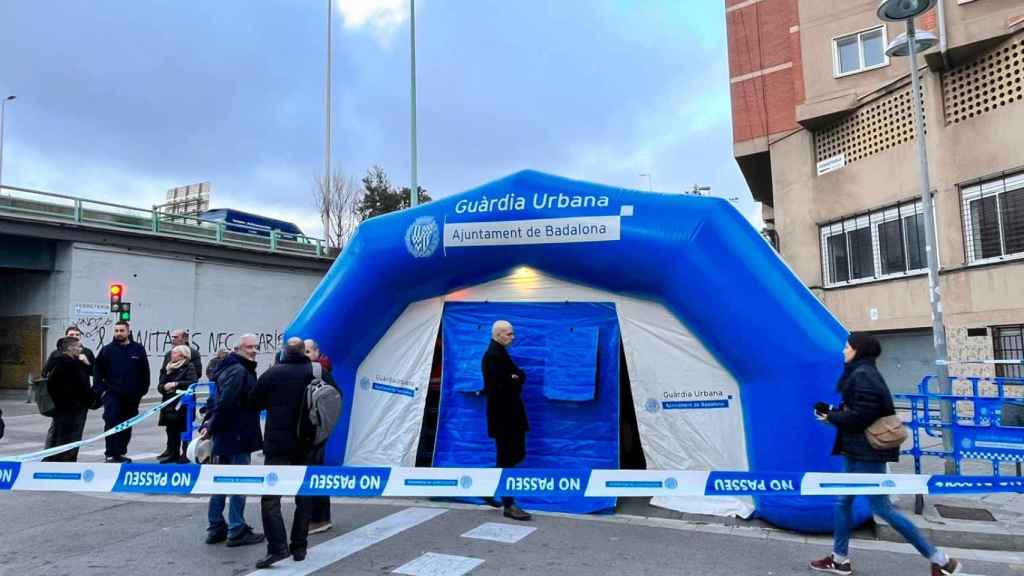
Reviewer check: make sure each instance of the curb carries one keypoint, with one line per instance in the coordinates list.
(942, 532)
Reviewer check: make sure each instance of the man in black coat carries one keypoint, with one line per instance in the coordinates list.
(72, 397)
(121, 379)
(235, 429)
(281, 391)
(179, 337)
(506, 413)
(87, 359)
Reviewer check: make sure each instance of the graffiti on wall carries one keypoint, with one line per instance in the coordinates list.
(98, 331)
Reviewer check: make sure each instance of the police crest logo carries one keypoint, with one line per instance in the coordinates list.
(422, 237)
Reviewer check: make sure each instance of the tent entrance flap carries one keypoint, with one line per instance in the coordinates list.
(570, 353)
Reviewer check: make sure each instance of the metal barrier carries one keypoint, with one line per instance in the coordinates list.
(38, 205)
(980, 407)
(193, 401)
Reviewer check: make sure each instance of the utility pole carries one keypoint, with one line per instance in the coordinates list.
(414, 195)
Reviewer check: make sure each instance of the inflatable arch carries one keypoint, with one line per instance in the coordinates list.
(725, 350)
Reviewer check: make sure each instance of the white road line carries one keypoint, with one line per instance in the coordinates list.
(349, 543)
(431, 564)
(499, 532)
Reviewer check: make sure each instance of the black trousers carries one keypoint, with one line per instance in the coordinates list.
(115, 411)
(174, 443)
(66, 427)
(511, 450)
(273, 521)
(321, 507)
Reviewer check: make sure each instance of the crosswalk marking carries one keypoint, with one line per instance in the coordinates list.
(349, 543)
(431, 564)
(499, 532)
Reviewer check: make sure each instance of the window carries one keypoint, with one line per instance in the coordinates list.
(859, 52)
(994, 218)
(1008, 344)
(881, 244)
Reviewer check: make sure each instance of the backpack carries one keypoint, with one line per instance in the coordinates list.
(40, 391)
(321, 407)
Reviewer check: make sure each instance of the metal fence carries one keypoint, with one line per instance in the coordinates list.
(987, 422)
(36, 205)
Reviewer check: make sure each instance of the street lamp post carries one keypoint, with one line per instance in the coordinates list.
(414, 196)
(3, 110)
(910, 45)
(328, 119)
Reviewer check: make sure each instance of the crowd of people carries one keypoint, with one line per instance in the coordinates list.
(120, 378)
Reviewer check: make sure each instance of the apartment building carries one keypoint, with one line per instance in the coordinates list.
(824, 135)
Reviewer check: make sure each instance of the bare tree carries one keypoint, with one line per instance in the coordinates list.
(337, 199)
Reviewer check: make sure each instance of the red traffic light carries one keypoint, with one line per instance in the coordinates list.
(116, 293)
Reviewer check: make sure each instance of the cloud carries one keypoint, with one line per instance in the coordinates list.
(381, 17)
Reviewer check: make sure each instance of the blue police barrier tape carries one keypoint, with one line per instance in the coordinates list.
(129, 423)
(470, 482)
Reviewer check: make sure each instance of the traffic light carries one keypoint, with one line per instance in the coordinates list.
(125, 312)
(116, 295)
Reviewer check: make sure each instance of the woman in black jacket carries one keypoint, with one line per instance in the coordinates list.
(866, 398)
(178, 375)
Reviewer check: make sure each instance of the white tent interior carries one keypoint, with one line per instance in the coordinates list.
(665, 362)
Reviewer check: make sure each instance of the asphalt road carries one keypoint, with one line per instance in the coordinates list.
(80, 535)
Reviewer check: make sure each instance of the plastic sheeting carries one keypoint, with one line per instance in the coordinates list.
(697, 256)
(562, 434)
(661, 356)
(570, 368)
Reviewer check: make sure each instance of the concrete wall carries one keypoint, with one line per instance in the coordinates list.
(217, 301)
(966, 23)
(820, 22)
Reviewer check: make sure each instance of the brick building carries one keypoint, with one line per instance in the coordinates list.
(824, 136)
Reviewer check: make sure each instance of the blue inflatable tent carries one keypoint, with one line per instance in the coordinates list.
(724, 349)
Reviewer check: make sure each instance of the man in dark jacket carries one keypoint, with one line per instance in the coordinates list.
(235, 429)
(281, 391)
(506, 413)
(179, 337)
(121, 379)
(69, 387)
(87, 359)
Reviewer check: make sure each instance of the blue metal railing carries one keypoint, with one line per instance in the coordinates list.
(976, 426)
(193, 401)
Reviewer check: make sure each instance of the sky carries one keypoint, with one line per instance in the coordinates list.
(120, 100)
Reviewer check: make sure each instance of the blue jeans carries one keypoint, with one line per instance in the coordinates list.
(880, 506)
(235, 525)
